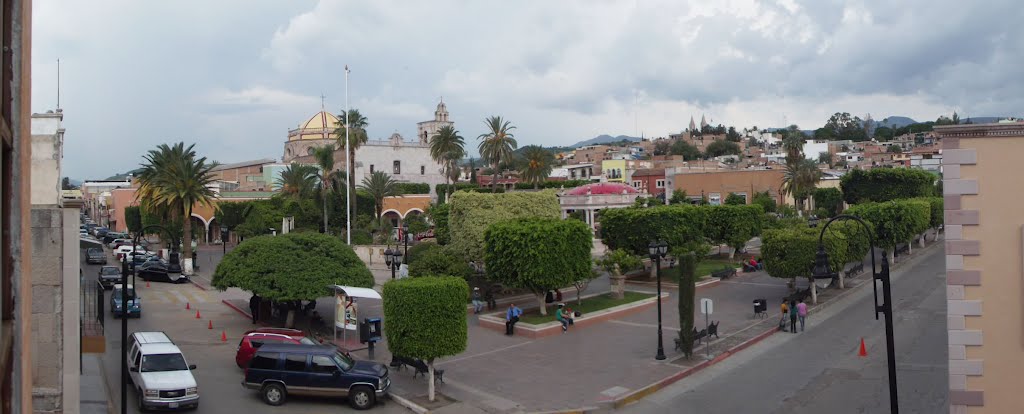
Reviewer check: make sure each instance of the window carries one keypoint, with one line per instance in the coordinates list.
(295, 362)
(322, 364)
(423, 170)
(254, 178)
(397, 167)
(659, 184)
(371, 168)
(637, 184)
(264, 360)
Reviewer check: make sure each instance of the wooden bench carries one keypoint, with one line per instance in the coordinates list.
(698, 336)
(724, 273)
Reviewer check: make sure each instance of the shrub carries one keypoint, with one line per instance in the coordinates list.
(471, 213)
(828, 199)
(790, 253)
(438, 214)
(553, 184)
(735, 200)
(633, 229)
(764, 200)
(438, 262)
(418, 249)
(884, 184)
(894, 221)
(625, 261)
(414, 188)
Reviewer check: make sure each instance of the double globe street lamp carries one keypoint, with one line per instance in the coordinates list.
(393, 258)
(822, 271)
(657, 251)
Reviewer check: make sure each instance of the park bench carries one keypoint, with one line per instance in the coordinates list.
(724, 273)
(698, 336)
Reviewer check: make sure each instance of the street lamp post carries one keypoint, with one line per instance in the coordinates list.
(657, 250)
(405, 237)
(393, 258)
(822, 271)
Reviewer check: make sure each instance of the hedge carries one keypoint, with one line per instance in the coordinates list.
(885, 184)
(894, 222)
(471, 213)
(437, 261)
(538, 254)
(633, 229)
(442, 190)
(790, 253)
(438, 214)
(733, 225)
(414, 188)
(829, 199)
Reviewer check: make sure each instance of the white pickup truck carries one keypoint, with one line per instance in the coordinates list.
(162, 377)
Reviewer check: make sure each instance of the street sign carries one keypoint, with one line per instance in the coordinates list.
(707, 307)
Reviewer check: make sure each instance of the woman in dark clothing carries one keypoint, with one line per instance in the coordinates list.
(792, 315)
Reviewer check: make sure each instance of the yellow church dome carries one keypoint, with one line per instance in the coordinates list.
(319, 126)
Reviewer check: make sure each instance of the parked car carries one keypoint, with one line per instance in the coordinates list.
(114, 244)
(139, 258)
(256, 338)
(109, 276)
(281, 369)
(99, 232)
(160, 271)
(127, 249)
(160, 373)
(111, 236)
(118, 308)
(95, 255)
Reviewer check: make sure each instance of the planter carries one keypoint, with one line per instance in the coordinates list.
(496, 321)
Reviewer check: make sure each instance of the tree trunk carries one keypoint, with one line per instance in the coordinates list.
(842, 279)
(494, 183)
(324, 187)
(921, 240)
(579, 295)
(892, 255)
(186, 247)
(910, 246)
(540, 301)
(618, 283)
(289, 321)
(430, 380)
(687, 298)
(732, 252)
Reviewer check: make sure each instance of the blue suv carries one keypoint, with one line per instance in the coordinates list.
(281, 369)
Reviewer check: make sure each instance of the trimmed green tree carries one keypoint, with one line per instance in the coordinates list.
(893, 222)
(537, 254)
(438, 213)
(828, 199)
(633, 229)
(291, 267)
(425, 318)
(858, 244)
(735, 200)
(765, 200)
(733, 225)
(438, 262)
(687, 298)
(470, 214)
(884, 184)
(790, 253)
(133, 218)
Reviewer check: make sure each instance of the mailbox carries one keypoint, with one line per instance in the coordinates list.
(369, 330)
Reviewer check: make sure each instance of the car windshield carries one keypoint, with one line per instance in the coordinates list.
(343, 361)
(131, 293)
(163, 362)
(306, 341)
(94, 251)
(110, 271)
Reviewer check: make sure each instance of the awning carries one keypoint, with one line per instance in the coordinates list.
(85, 243)
(357, 292)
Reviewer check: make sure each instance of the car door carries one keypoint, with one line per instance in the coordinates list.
(134, 359)
(326, 378)
(295, 376)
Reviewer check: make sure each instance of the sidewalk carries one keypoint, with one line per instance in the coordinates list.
(94, 392)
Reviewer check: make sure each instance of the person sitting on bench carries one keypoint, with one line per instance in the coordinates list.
(564, 317)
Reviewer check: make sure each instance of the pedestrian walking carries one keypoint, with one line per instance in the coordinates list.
(254, 307)
(785, 314)
(511, 317)
(478, 303)
(792, 316)
(801, 312)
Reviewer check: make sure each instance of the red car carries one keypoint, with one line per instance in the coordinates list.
(255, 338)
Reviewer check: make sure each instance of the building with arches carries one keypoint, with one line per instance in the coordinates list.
(590, 199)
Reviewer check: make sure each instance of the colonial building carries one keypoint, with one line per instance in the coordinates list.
(590, 199)
(244, 176)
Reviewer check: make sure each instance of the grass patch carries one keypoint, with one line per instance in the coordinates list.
(591, 304)
(704, 269)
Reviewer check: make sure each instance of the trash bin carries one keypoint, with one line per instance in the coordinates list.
(760, 307)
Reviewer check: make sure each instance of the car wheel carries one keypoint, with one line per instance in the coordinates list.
(273, 394)
(361, 398)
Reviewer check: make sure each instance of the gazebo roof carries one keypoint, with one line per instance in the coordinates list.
(603, 188)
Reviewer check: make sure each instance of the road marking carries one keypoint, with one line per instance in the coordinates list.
(483, 353)
(643, 325)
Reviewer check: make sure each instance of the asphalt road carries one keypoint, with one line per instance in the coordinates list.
(218, 377)
(818, 371)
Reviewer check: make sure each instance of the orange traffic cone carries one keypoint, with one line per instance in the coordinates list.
(863, 350)
(197, 315)
(210, 325)
(187, 306)
(223, 336)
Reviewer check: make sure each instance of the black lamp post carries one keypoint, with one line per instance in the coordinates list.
(124, 314)
(393, 258)
(224, 239)
(405, 236)
(657, 250)
(822, 271)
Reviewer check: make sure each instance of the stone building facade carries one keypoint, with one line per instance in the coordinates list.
(248, 175)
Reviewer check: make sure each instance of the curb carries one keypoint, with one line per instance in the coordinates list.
(581, 410)
(664, 382)
(237, 309)
(196, 284)
(706, 283)
(416, 408)
(535, 331)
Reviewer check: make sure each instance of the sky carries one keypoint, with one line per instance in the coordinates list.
(234, 76)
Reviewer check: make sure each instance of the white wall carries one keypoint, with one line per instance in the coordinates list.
(813, 149)
(381, 154)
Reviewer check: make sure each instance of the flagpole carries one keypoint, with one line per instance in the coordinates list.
(348, 163)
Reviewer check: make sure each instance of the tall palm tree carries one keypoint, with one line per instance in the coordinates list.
(535, 165)
(799, 180)
(380, 185)
(497, 145)
(324, 157)
(356, 138)
(175, 178)
(447, 147)
(297, 180)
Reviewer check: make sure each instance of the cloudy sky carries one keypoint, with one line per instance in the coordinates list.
(235, 76)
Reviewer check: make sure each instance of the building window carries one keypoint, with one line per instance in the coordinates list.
(397, 167)
(371, 168)
(659, 184)
(637, 184)
(423, 170)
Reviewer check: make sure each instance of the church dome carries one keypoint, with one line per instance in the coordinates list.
(603, 189)
(319, 126)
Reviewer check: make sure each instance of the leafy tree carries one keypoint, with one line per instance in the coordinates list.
(662, 147)
(426, 319)
(472, 171)
(497, 144)
(65, 184)
(764, 200)
(535, 165)
(133, 219)
(438, 213)
(689, 152)
(291, 267)
(355, 138)
(829, 199)
(642, 202)
(790, 253)
(735, 200)
(176, 178)
(722, 147)
(679, 197)
(752, 142)
(884, 133)
(538, 254)
(633, 229)
(438, 262)
(733, 225)
(944, 120)
(824, 134)
(884, 184)
(733, 136)
(825, 157)
(379, 185)
(417, 224)
(894, 149)
(846, 127)
(447, 147)
(418, 249)
(470, 214)
(687, 300)
(231, 215)
(414, 188)
(617, 263)
(894, 221)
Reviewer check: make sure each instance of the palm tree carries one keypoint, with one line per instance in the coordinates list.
(175, 178)
(357, 137)
(380, 185)
(799, 179)
(324, 157)
(793, 144)
(447, 147)
(297, 180)
(536, 165)
(497, 144)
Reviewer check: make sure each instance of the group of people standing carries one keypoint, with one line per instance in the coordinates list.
(795, 311)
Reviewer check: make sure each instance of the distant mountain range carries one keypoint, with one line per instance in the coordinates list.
(604, 139)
